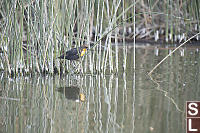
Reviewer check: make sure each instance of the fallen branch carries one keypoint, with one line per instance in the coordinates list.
(172, 53)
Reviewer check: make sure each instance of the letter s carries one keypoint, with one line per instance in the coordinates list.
(191, 107)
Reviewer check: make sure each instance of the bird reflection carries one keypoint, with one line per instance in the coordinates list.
(72, 93)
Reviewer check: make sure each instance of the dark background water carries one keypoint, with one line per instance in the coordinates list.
(127, 102)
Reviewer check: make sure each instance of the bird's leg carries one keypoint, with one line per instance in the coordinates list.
(75, 66)
(78, 67)
(72, 64)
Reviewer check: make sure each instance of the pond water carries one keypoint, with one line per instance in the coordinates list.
(127, 102)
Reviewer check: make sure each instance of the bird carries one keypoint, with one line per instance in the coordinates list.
(74, 53)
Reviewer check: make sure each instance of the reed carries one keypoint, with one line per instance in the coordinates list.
(34, 33)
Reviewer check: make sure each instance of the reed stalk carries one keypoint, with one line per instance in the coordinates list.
(124, 31)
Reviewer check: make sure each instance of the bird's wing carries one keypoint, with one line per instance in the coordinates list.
(74, 51)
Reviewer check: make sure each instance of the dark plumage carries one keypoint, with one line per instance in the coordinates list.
(74, 53)
(71, 92)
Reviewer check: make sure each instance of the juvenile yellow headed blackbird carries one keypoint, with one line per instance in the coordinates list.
(74, 53)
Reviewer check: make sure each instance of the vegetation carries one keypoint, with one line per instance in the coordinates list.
(35, 32)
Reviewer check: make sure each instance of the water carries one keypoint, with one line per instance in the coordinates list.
(105, 103)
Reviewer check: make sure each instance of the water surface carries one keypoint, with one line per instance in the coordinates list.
(124, 102)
